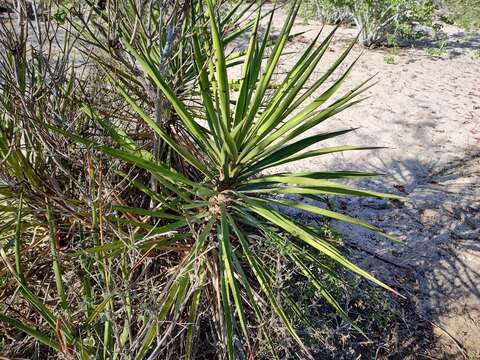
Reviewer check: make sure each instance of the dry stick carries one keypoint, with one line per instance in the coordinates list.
(455, 341)
(398, 286)
(379, 257)
(172, 30)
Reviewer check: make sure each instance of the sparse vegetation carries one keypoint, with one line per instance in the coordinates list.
(464, 13)
(381, 21)
(378, 21)
(439, 51)
(390, 59)
(325, 11)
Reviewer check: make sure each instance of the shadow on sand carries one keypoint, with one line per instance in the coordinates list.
(437, 265)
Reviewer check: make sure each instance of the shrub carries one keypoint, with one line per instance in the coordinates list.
(128, 245)
(379, 20)
(397, 18)
(464, 13)
(325, 11)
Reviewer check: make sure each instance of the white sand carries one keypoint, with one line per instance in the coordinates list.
(427, 111)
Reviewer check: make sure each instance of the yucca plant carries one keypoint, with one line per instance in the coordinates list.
(209, 219)
(50, 200)
(161, 31)
(243, 132)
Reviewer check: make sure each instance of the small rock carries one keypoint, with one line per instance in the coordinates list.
(400, 188)
(378, 204)
(429, 216)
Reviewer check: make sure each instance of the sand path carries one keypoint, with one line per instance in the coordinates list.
(427, 111)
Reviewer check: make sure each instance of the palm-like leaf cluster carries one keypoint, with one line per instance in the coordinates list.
(209, 209)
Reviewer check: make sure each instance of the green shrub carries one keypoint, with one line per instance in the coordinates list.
(377, 19)
(464, 13)
(325, 11)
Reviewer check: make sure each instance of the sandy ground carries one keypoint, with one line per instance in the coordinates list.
(426, 110)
